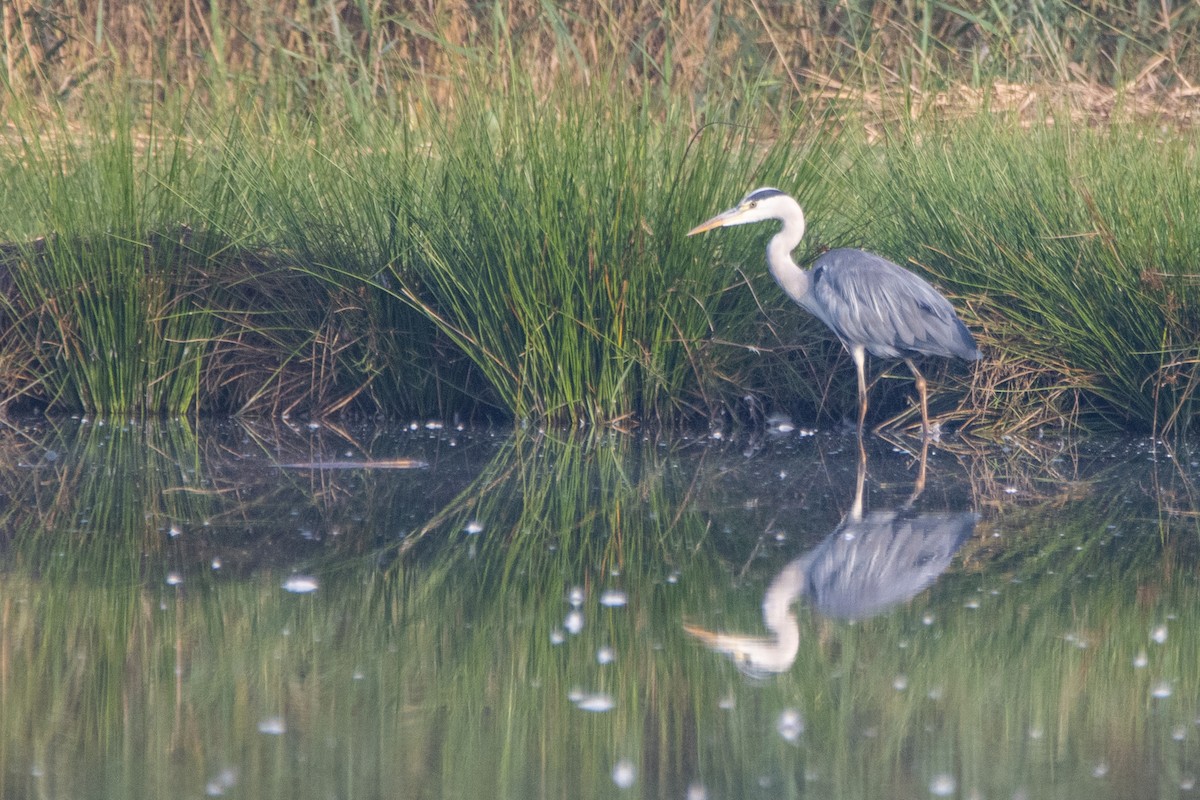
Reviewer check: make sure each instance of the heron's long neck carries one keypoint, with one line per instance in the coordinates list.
(790, 277)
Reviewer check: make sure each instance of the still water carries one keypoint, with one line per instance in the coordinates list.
(201, 612)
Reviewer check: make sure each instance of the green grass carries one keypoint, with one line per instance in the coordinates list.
(438, 224)
(1075, 249)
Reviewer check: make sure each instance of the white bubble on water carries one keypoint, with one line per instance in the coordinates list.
(1161, 690)
(942, 785)
(174, 531)
(1140, 660)
(624, 774)
(557, 636)
(900, 683)
(605, 655)
(1179, 733)
(473, 527)
(573, 622)
(1158, 634)
(273, 726)
(790, 724)
(596, 702)
(575, 596)
(1187, 783)
(1100, 770)
(174, 579)
(222, 782)
(697, 791)
(613, 598)
(300, 584)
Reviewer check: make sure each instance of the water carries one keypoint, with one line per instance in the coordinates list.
(532, 617)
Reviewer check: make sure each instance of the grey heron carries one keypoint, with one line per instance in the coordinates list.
(868, 564)
(870, 303)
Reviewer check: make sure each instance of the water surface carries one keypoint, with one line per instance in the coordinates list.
(532, 616)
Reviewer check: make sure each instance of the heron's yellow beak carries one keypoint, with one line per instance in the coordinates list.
(720, 219)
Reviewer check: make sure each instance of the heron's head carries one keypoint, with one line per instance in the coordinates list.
(761, 204)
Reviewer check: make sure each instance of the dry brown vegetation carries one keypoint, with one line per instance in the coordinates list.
(1144, 53)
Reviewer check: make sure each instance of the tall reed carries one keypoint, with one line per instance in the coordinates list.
(549, 244)
(1076, 252)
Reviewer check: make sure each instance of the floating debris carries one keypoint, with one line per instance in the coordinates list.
(224, 780)
(300, 584)
(613, 598)
(273, 726)
(942, 785)
(780, 423)
(380, 463)
(596, 702)
(790, 724)
(624, 774)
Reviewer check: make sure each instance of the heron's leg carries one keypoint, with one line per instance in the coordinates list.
(922, 392)
(919, 485)
(859, 354)
(855, 514)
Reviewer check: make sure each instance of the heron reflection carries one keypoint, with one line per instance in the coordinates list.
(869, 563)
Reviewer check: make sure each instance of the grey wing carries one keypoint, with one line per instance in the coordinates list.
(868, 300)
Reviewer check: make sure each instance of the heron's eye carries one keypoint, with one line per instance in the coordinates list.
(753, 204)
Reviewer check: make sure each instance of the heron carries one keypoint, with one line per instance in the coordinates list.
(868, 564)
(870, 303)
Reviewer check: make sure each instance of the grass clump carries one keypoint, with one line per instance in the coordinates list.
(551, 248)
(1076, 251)
(104, 309)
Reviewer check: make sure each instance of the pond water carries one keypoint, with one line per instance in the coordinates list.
(201, 612)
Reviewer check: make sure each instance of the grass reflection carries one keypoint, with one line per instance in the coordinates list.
(438, 656)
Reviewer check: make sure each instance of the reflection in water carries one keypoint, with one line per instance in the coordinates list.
(182, 617)
(867, 565)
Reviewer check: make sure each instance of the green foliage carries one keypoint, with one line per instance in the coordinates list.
(1074, 245)
(551, 247)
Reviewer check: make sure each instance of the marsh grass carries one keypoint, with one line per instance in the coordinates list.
(473, 212)
(551, 247)
(105, 304)
(293, 52)
(1074, 252)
